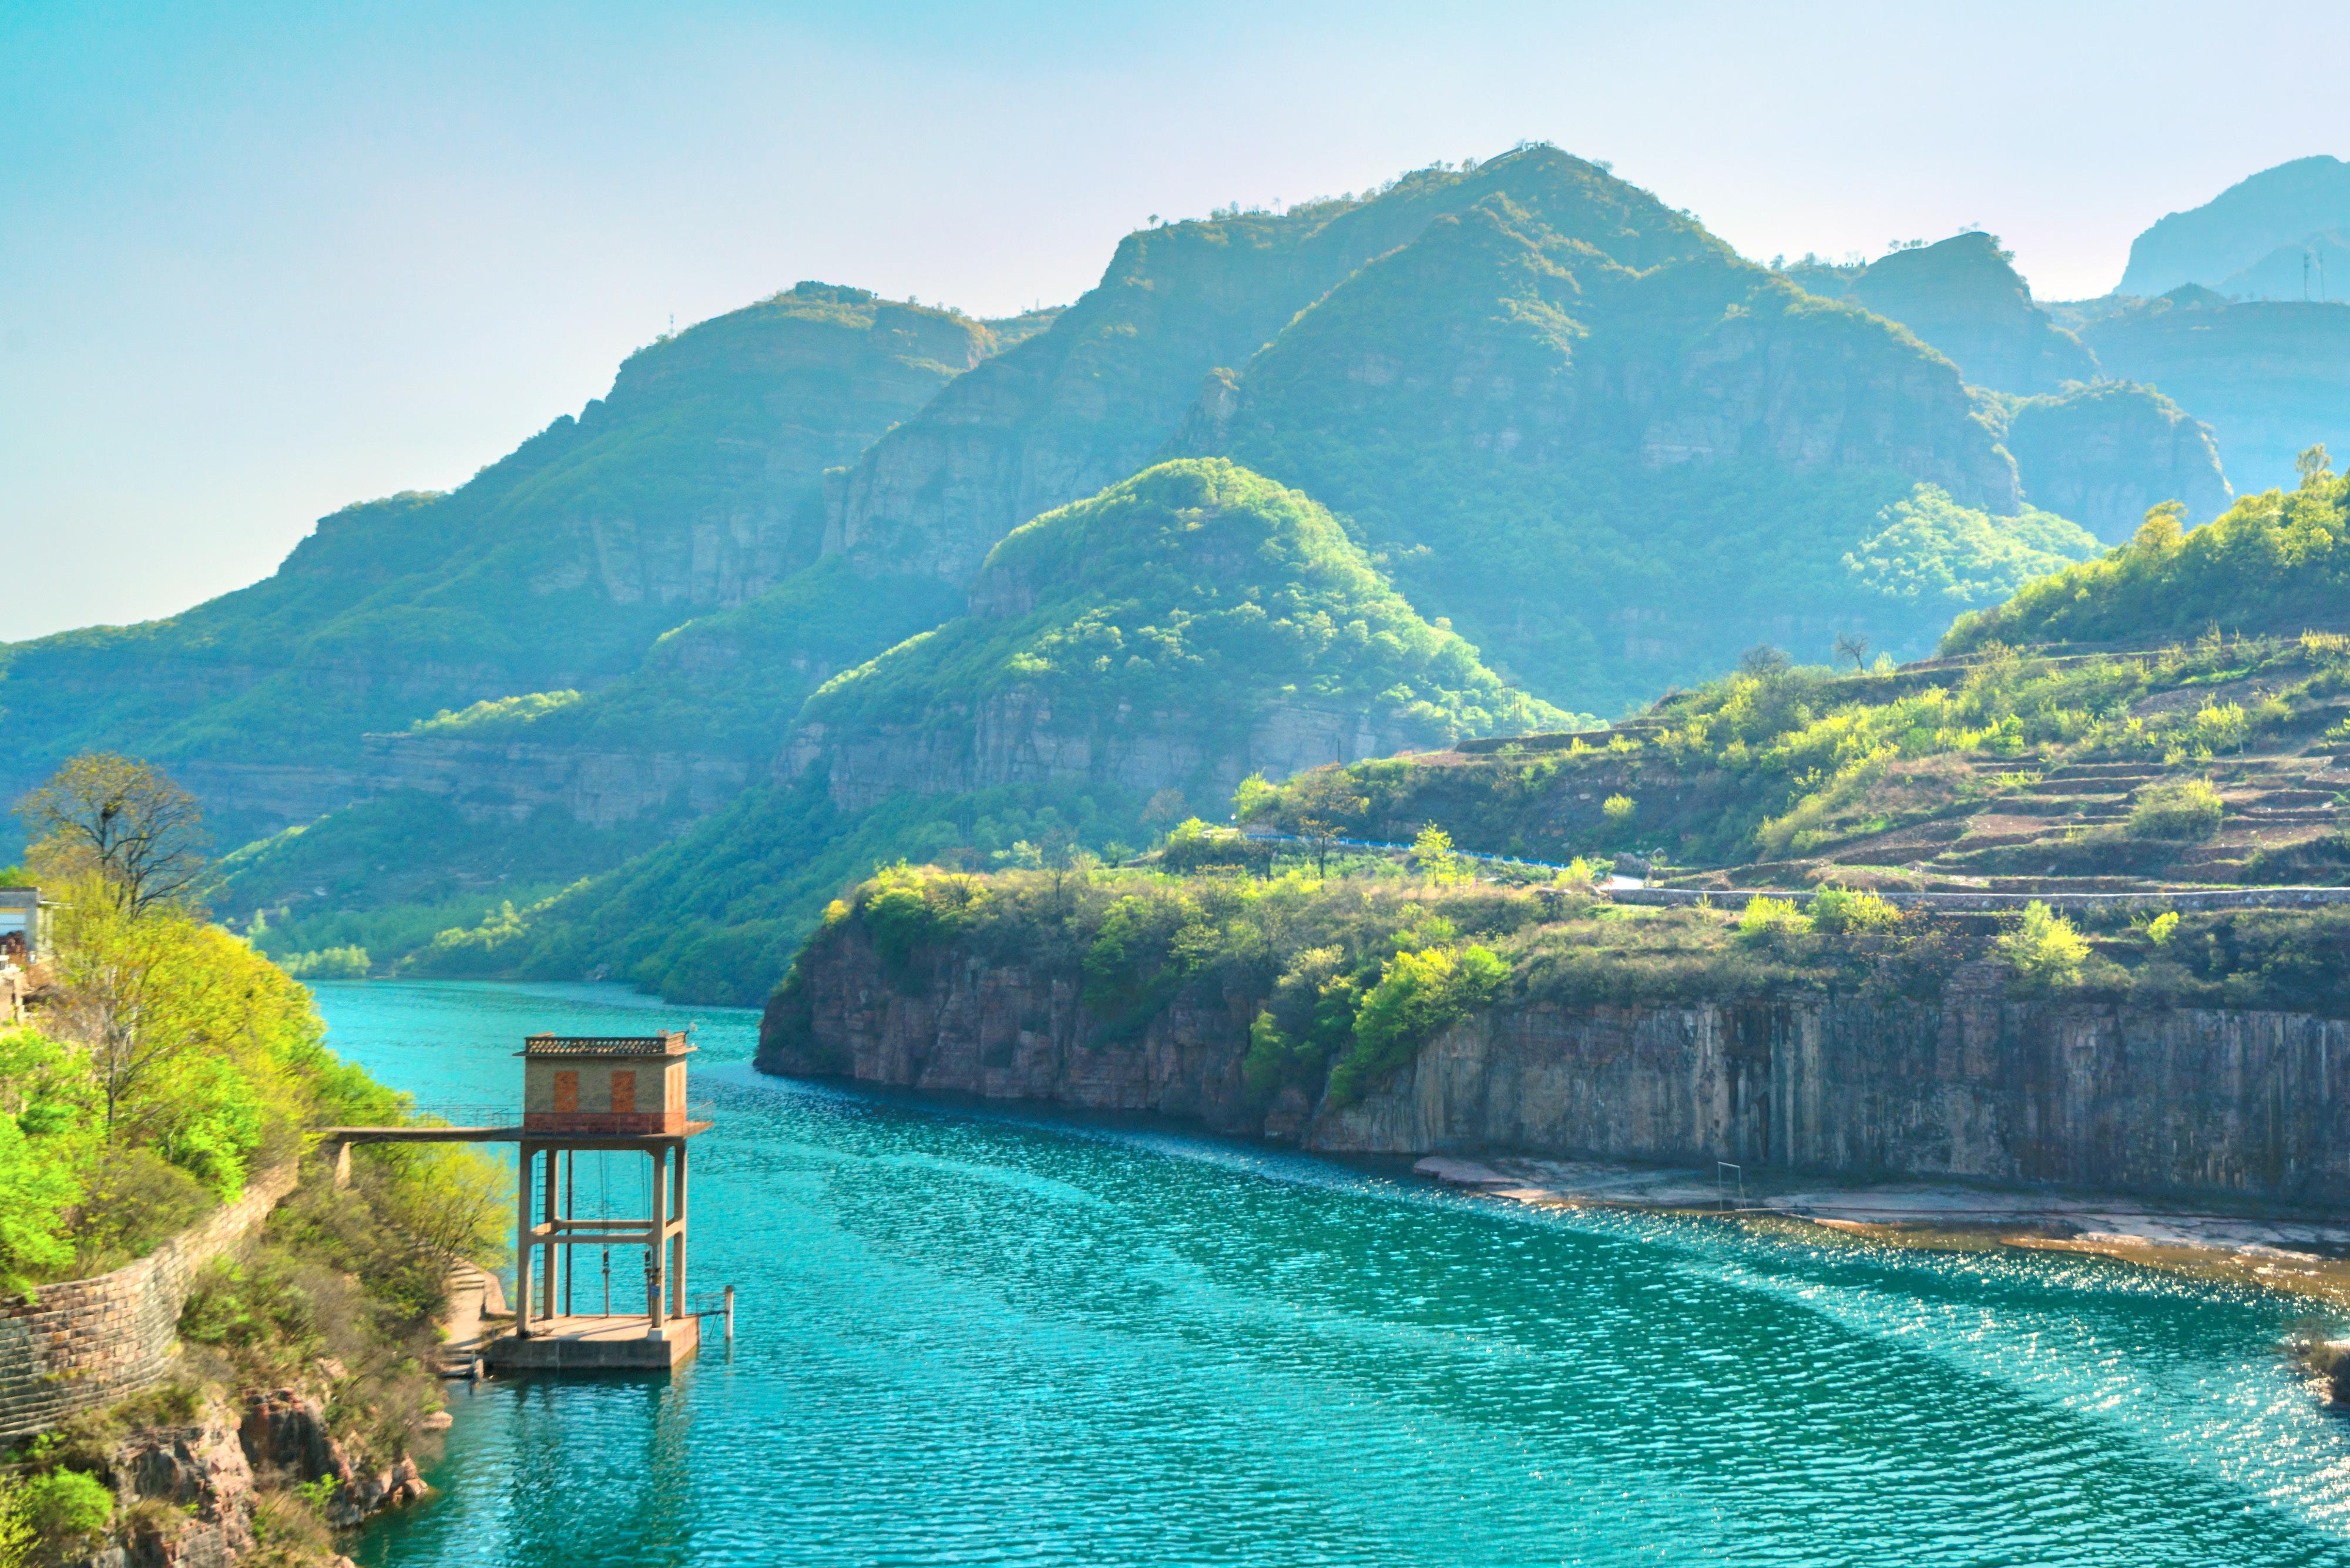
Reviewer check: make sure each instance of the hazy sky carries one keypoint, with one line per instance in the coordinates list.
(259, 261)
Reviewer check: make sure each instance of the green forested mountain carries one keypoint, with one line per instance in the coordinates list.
(696, 484)
(820, 583)
(1091, 401)
(2096, 451)
(2238, 229)
(1123, 662)
(1612, 478)
(1079, 404)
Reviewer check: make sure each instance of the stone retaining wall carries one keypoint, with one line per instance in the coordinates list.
(81, 1343)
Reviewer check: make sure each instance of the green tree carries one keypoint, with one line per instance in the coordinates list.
(2164, 525)
(2314, 466)
(1432, 851)
(1320, 808)
(1253, 798)
(1418, 996)
(37, 1190)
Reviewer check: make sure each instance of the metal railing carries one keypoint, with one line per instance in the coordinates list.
(484, 1114)
(468, 1114)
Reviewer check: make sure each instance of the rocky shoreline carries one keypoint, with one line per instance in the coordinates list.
(2304, 1254)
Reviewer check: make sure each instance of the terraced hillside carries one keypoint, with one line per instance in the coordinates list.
(2218, 762)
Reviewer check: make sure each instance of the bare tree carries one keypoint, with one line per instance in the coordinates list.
(1855, 646)
(143, 834)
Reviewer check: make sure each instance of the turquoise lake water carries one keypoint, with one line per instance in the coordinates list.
(979, 1335)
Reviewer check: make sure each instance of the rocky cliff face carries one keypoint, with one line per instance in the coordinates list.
(511, 778)
(1974, 1084)
(2103, 454)
(207, 1474)
(1017, 737)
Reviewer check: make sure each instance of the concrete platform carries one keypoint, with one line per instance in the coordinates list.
(596, 1344)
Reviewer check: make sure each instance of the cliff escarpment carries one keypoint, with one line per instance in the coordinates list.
(2105, 456)
(1963, 1079)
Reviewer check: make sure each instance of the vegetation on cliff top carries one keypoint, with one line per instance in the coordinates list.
(1344, 979)
(2278, 562)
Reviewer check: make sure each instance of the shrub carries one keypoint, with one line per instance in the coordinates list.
(65, 1507)
(1420, 994)
(1619, 809)
(1840, 911)
(2045, 949)
(1195, 846)
(2186, 810)
(2162, 928)
(1766, 919)
(908, 909)
(17, 1537)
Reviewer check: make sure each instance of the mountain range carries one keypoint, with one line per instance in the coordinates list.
(833, 579)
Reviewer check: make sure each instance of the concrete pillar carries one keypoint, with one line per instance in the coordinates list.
(657, 1243)
(570, 1255)
(548, 1249)
(525, 1154)
(681, 1228)
(342, 1158)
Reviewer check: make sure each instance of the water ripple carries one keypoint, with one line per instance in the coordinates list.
(976, 1336)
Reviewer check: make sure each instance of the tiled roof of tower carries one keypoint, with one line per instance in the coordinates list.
(672, 1043)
